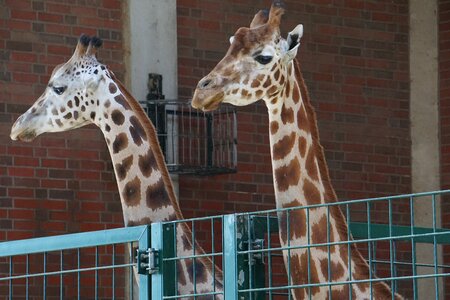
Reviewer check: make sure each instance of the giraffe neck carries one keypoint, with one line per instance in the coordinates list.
(144, 183)
(301, 178)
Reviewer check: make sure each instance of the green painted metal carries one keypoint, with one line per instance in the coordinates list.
(56, 246)
(157, 279)
(230, 257)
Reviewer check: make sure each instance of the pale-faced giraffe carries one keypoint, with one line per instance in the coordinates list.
(83, 91)
(261, 65)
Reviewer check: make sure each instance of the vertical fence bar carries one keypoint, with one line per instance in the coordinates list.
(328, 252)
(413, 247)
(131, 271)
(213, 257)
(308, 250)
(435, 261)
(78, 273)
(113, 262)
(269, 255)
(27, 281)
(369, 250)
(157, 280)
(144, 279)
(288, 235)
(96, 273)
(193, 259)
(10, 275)
(230, 257)
(349, 257)
(44, 278)
(250, 258)
(61, 268)
(391, 246)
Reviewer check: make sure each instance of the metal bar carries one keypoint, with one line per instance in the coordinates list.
(399, 232)
(230, 257)
(10, 280)
(369, 249)
(71, 241)
(96, 273)
(391, 250)
(269, 257)
(435, 256)
(61, 268)
(349, 251)
(131, 271)
(144, 280)
(44, 278)
(113, 262)
(157, 280)
(78, 274)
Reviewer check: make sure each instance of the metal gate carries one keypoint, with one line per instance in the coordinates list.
(246, 246)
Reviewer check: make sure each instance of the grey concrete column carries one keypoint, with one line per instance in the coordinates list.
(150, 44)
(424, 117)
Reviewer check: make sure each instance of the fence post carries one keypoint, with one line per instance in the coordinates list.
(157, 278)
(230, 257)
(144, 279)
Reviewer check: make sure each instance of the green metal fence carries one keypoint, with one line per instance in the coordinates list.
(245, 246)
(91, 265)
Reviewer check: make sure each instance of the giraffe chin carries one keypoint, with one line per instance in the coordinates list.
(207, 103)
(25, 136)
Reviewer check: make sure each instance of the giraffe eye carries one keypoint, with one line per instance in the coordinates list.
(263, 59)
(59, 89)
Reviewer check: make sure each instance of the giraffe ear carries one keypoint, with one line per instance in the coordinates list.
(293, 42)
(231, 39)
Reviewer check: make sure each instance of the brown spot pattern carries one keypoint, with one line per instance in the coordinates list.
(120, 142)
(117, 117)
(311, 193)
(287, 89)
(274, 127)
(302, 119)
(200, 270)
(139, 129)
(146, 163)
(267, 83)
(297, 272)
(107, 103)
(122, 101)
(156, 195)
(297, 222)
(287, 114)
(286, 176)
(123, 167)
(302, 143)
(295, 94)
(59, 123)
(132, 192)
(310, 165)
(54, 112)
(112, 88)
(284, 146)
(68, 115)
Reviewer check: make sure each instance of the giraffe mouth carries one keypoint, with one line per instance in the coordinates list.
(203, 101)
(23, 136)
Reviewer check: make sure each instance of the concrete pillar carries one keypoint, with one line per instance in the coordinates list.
(424, 117)
(150, 44)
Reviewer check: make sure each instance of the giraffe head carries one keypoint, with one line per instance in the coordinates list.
(70, 99)
(255, 66)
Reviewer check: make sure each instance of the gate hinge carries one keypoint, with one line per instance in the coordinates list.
(147, 261)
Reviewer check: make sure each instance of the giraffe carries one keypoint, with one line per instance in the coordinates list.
(260, 64)
(84, 91)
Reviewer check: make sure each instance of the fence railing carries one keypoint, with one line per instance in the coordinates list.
(246, 246)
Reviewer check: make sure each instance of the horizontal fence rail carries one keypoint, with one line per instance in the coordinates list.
(246, 247)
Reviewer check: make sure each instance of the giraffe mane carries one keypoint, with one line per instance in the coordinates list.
(361, 268)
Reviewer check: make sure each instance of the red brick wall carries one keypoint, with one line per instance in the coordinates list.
(444, 106)
(354, 57)
(61, 182)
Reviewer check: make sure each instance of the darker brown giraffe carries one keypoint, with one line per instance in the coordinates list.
(83, 91)
(261, 65)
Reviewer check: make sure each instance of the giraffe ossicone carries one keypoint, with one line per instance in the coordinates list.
(260, 64)
(83, 91)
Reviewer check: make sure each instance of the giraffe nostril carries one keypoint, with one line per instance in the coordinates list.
(205, 83)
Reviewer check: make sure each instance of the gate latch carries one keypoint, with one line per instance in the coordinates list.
(147, 261)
